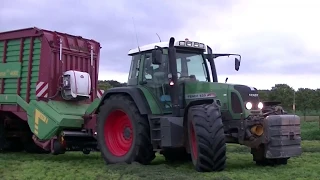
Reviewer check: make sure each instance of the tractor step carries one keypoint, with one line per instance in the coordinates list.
(166, 131)
(155, 126)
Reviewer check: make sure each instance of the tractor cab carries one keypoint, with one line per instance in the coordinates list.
(178, 75)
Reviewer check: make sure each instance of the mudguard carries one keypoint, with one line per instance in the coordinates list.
(134, 92)
(283, 139)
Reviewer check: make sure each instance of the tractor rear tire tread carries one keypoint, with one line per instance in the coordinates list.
(143, 150)
(210, 137)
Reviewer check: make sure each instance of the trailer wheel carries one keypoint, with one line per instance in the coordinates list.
(123, 133)
(206, 138)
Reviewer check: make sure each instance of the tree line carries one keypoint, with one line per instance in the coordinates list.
(304, 100)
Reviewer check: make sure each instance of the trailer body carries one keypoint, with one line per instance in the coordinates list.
(32, 64)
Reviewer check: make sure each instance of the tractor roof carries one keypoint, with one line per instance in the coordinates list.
(184, 43)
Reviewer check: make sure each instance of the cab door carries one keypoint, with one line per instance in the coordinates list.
(155, 79)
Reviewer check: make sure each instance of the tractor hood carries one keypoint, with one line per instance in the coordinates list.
(238, 95)
(248, 94)
(203, 90)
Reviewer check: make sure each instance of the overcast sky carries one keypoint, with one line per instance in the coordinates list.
(278, 40)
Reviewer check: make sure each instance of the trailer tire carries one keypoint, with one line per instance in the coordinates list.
(206, 138)
(123, 134)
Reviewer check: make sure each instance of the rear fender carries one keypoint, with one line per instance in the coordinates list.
(135, 93)
(282, 136)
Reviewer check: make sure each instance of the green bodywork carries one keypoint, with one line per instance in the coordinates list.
(48, 119)
(222, 93)
(45, 119)
(153, 103)
(13, 69)
(10, 70)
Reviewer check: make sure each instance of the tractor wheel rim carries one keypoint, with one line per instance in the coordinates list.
(118, 133)
(194, 148)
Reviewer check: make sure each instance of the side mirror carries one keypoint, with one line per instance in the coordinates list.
(236, 64)
(157, 56)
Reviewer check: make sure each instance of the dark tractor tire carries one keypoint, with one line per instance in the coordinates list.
(123, 134)
(258, 157)
(176, 155)
(258, 153)
(206, 138)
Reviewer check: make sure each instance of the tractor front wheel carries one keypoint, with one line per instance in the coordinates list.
(206, 138)
(123, 133)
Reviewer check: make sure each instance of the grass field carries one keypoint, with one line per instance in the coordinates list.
(239, 165)
(310, 118)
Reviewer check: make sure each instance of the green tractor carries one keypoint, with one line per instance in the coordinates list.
(174, 105)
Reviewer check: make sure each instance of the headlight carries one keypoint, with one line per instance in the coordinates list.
(260, 105)
(249, 105)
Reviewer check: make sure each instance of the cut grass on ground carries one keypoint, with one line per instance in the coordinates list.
(309, 118)
(78, 166)
(310, 130)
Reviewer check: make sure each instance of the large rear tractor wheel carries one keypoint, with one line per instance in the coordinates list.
(123, 133)
(206, 138)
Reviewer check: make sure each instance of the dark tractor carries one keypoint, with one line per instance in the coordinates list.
(174, 106)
